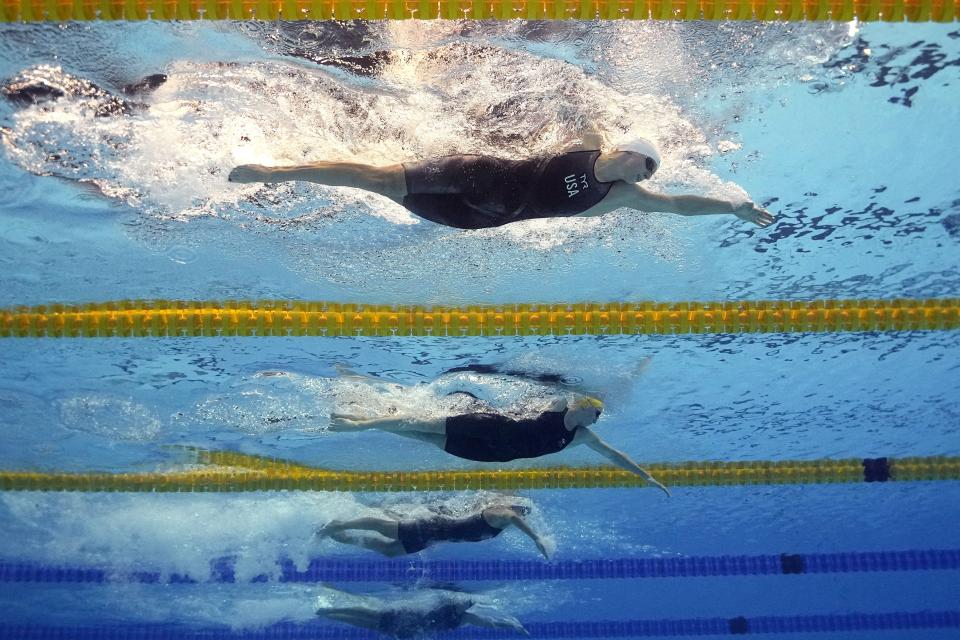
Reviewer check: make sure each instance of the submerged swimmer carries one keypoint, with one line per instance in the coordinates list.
(475, 192)
(492, 437)
(401, 536)
(43, 84)
(413, 618)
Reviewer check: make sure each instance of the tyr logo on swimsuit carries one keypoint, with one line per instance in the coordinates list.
(574, 184)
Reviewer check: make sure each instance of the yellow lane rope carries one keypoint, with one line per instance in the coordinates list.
(165, 318)
(250, 473)
(779, 10)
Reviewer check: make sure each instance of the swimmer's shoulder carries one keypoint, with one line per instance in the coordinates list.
(498, 516)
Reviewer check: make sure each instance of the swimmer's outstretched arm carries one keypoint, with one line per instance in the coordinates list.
(622, 460)
(521, 524)
(636, 197)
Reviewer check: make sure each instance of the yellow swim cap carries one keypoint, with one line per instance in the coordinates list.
(585, 402)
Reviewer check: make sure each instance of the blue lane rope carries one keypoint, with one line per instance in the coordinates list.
(353, 570)
(899, 620)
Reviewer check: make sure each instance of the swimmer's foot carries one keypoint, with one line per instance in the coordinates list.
(347, 422)
(329, 529)
(344, 371)
(145, 85)
(270, 374)
(643, 365)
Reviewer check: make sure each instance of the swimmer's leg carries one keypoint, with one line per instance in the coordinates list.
(474, 615)
(328, 596)
(431, 431)
(385, 180)
(345, 372)
(438, 439)
(383, 526)
(389, 548)
(357, 616)
(367, 66)
(345, 422)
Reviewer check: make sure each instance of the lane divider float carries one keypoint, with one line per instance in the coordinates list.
(240, 318)
(241, 473)
(768, 10)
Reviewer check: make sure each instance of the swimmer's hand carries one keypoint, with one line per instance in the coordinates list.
(519, 628)
(249, 173)
(752, 213)
(543, 548)
(657, 484)
(643, 366)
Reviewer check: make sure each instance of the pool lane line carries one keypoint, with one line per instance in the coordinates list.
(326, 569)
(295, 477)
(768, 10)
(666, 627)
(241, 318)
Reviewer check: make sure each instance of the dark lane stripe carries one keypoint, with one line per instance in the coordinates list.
(828, 623)
(353, 570)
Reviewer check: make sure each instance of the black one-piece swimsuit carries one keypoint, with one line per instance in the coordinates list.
(490, 437)
(476, 192)
(416, 535)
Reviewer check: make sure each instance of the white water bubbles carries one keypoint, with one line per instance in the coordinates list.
(109, 416)
(292, 405)
(168, 533)
(260, 405)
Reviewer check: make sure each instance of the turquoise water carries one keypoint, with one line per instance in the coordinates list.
(848, 133)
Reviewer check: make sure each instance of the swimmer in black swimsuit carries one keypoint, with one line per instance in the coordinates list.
(431, 611)
(410, 535)
(491, 437)
(43, 84)
(476, 192)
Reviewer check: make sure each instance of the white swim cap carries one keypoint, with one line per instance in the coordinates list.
(641, 146)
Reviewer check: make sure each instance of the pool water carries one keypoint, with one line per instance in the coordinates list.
(847, 132)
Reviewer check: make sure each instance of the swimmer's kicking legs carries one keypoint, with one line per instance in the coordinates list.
(387, 181)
